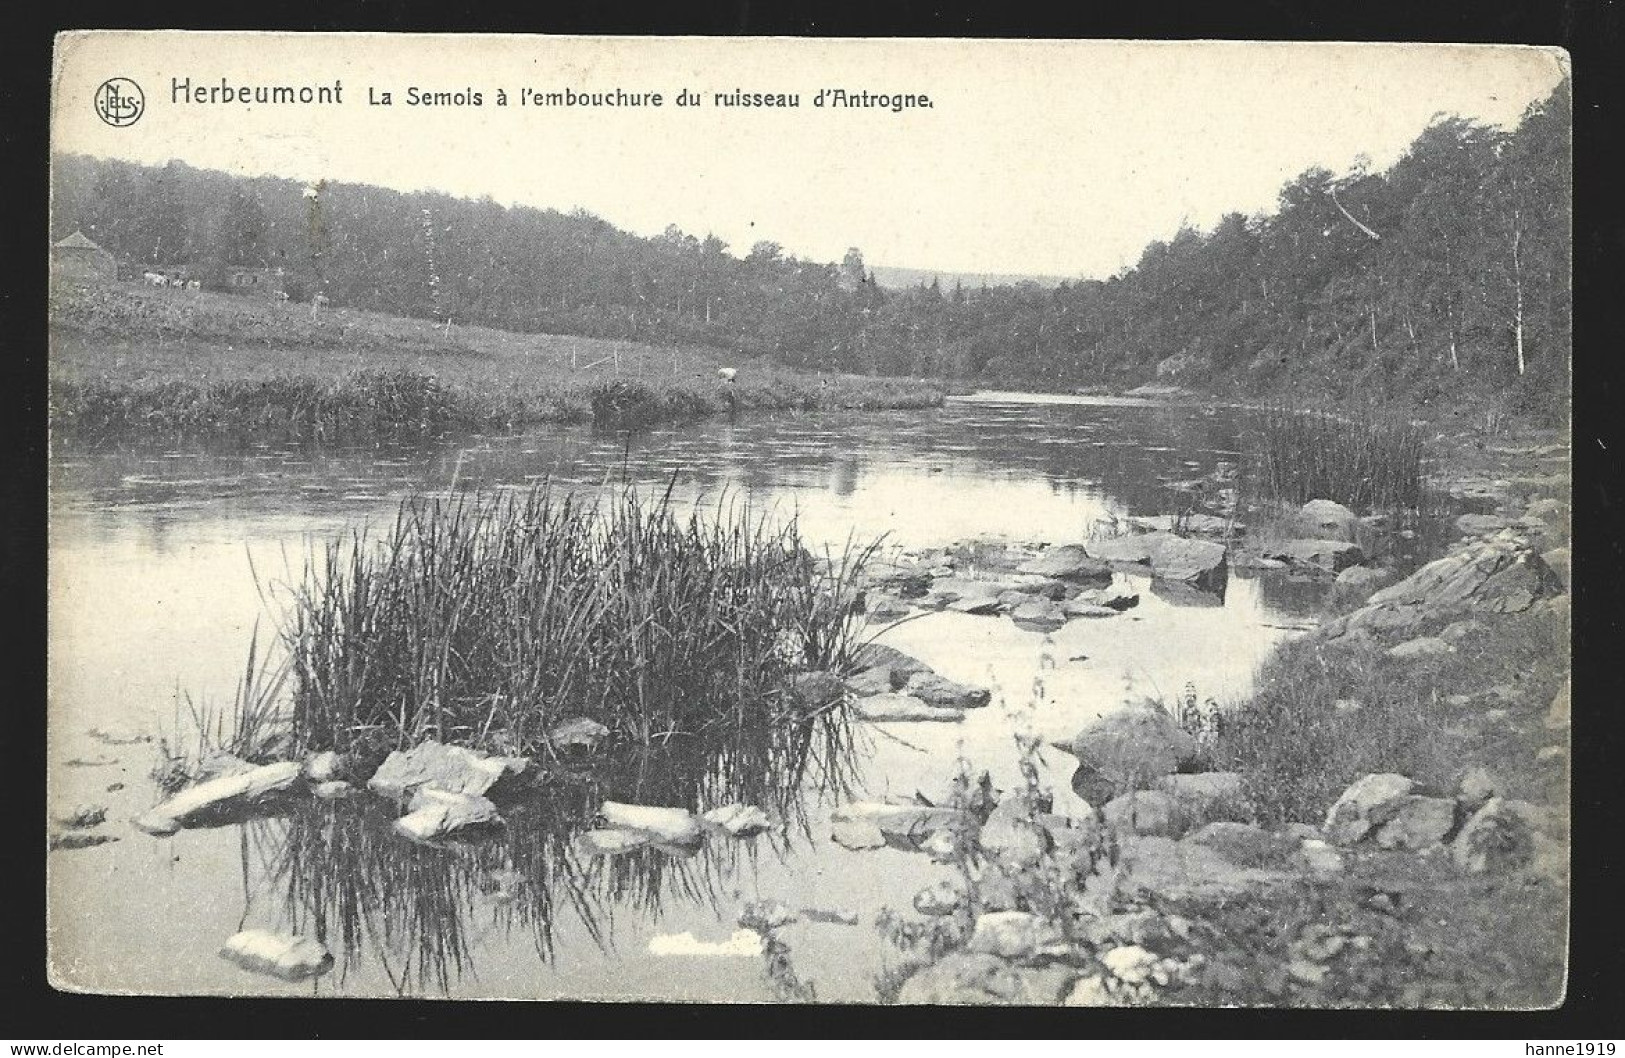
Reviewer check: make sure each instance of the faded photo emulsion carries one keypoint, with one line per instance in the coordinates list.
(785, 520)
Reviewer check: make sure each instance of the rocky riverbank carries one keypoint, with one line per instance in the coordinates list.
(1182, 884)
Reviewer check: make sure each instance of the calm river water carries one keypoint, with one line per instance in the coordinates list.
(161, 564)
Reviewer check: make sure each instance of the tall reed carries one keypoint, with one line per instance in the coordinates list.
(1368, 461)
(486, 618)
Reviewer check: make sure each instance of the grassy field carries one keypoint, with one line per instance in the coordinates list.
(130, 361)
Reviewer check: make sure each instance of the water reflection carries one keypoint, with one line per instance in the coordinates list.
(337, 871)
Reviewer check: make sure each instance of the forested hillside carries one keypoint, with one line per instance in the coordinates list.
(1444, 277)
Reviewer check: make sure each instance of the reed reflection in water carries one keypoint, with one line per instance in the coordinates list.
(336, 871)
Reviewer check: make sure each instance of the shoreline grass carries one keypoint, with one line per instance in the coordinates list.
(132, 366)
(1366, 460)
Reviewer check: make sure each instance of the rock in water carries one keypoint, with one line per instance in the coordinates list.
(671, 826)
(453, 769)
(1127, 749)
(611, 841)
(902, 708)
(78, 839)
(741, 821)
(219, 795)
(1329, 556)
(1068, 562)
(1197, 562)
(436, 814)
(745, 943)
(1368, 803)
(278, 954)
(326, 766)
(941, 691)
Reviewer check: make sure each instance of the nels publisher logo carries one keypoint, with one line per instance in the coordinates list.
(120, 102)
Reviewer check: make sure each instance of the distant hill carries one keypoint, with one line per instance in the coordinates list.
(905, 278)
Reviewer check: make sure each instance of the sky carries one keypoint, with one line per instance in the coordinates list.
(1036, 157)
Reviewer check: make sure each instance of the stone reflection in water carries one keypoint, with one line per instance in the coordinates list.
(336, 871)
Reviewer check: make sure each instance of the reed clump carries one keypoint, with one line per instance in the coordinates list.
(1368, 461)
(486, 618)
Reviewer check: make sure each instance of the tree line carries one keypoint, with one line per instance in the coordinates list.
(1446, 276)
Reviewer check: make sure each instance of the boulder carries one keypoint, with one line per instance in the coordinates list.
(1494, 839)
(1195, 522)
(581, 734)
(1420, 647)
(1134, 550)
(1327, 556)
(879, 656)
(326, 766)
(1130, 963)
(859, 835)
(1075, 608)
(1419, 823)
(1457, 632)
(435, 814)
(1200, 563)
(1246, 844)
(1015, 935)
(743, 944)
(1142, 812)
(219, 796)
(1362, 577)
(1368, 803)
(903, 708)
(1329, 520)
(972, 978)
(910, 822)
(669, 826)
(1206, 797)
(454, 769)
(1011, 836)
(1557, 716)
(333, 790)
(980, 605)
(1480, 524)
(887, 608)
(1497, 575)
(1476, 786)
(1320, 858)
(284, 955)
(740, 821)
(1038, 611)
(934, 689)
(1127, 749)
(1068, 562)
(1156, 867)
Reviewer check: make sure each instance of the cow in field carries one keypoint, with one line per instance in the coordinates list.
(154, 279)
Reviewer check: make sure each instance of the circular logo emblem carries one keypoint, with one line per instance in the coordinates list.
(120, 102)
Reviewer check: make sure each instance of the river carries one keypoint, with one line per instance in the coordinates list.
(163, 562)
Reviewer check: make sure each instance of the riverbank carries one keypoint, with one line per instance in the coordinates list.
(131, 364)
(1385, 821)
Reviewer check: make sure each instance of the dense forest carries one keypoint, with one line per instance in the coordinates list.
(1444, 277)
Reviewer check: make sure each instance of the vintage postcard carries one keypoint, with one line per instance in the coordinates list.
(786, 520)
